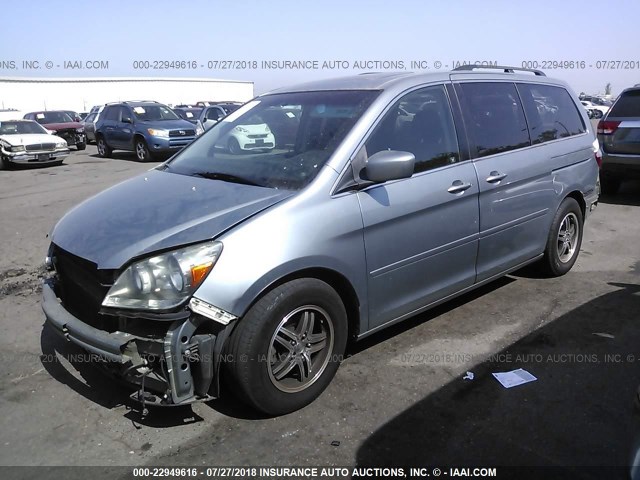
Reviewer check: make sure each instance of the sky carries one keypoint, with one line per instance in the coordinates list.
(240, 39)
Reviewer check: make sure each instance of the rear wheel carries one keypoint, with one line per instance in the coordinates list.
(81, 146)
(104, 150)
(142, 151)
(609, 185)
(565, 239)
(287, 348)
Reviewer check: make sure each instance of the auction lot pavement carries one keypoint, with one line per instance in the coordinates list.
(399, 397)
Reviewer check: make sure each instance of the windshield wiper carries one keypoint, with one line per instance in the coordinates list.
(226, 177)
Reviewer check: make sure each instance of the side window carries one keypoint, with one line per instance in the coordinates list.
(213, 114)
(420, 123)
(551, 113)
(494, 117)
(111, 113)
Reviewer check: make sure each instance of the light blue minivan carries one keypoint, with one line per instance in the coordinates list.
(387, 194)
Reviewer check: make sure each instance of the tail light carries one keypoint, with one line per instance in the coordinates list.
(597, 153)
(606, 127)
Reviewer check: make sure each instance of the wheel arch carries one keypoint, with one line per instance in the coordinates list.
(578, 197)
(335, 280)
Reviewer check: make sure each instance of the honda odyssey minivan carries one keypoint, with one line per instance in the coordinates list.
(249, 271)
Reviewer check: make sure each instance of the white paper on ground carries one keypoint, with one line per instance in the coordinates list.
(514, 378)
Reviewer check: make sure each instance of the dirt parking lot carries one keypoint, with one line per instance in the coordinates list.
(399, 397)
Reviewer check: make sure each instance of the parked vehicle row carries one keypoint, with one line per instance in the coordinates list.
(248, 271)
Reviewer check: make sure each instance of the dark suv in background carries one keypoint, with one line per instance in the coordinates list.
(619, 137)
(150, 129)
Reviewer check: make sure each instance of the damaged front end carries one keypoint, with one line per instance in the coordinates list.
(173, 357)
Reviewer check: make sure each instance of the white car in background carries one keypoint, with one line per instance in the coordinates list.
(598, 111)
(254, 135)
(25, 142)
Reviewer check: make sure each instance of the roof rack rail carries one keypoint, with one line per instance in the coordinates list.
(138, 101)
(507, 69)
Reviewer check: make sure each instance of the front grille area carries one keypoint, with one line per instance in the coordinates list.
(47, 147)
(82, 287)
(258, 136)
(182, 133)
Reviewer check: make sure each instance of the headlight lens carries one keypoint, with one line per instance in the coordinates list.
(163, 281)
(18, 148)
(61, 144)
(158, 132)
(199, 129)
(80, 130)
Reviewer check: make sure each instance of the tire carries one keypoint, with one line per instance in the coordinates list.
(142, 151)
(597, 114)
(104, 151)
(81, 146)
(4, 164)
(234, 146)
(270, 348)
(565, 239)
(609, 185)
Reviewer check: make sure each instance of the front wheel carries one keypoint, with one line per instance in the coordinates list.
(142, 151)
(288, 347)
(565, 239)
(234, 146)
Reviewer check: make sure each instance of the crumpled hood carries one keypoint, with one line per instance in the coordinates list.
(154, 211)
(62, 126)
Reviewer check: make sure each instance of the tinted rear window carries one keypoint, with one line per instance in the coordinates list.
(551, 112)
(494, 117)
(628, 105)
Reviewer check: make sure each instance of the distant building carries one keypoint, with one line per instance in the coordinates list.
(80, 94)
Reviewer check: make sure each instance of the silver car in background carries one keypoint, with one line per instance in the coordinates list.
(394, 192)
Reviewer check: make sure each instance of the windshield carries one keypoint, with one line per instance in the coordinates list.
(20, 128)
(188, 113)
(154, 113)
(53, 117)
(278, 141)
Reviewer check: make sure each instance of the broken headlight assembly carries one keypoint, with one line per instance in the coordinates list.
(163, 281)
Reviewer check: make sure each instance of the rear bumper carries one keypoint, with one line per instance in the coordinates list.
(615, 164)
(179, 369)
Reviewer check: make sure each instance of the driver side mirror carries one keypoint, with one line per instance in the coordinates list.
(388, 165)
(126, 120)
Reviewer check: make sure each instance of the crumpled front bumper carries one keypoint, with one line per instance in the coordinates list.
(35, 157)
(181, 368)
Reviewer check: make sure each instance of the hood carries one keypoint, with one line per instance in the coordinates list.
(155, 211)
(31, 138)
(169, 124)
(61, 126)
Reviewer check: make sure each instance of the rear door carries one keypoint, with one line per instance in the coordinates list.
(420, 233)
(619, 133)
(516, 185)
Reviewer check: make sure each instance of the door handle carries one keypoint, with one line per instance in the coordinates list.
(495, 177)
(458, 187)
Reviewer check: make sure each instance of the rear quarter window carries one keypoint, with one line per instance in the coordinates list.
(551, 112)
(628, 105)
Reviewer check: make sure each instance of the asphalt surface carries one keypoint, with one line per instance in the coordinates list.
(399, 397)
